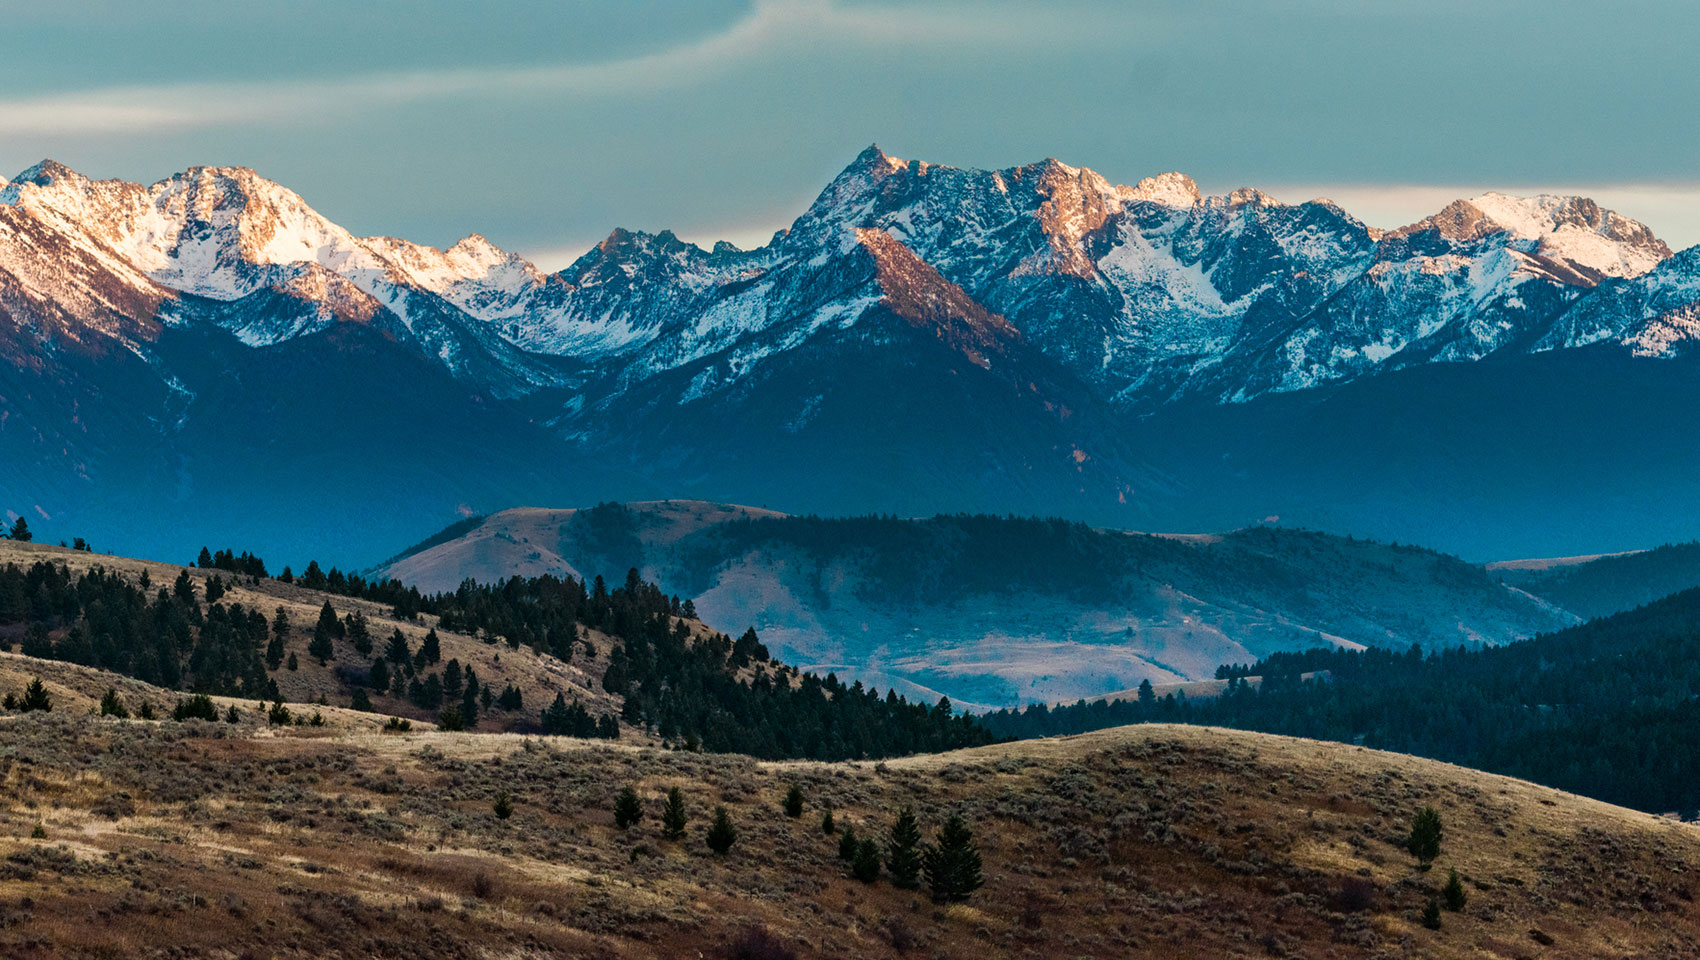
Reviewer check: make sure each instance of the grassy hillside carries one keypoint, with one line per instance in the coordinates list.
(539, 678)
(1611, 584)
(1609, 708)
(120, 837)
(1001, 610)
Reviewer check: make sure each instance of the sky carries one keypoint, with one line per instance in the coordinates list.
(543, 125)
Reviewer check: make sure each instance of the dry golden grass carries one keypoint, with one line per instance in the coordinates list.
(539, 678)
(165, 839)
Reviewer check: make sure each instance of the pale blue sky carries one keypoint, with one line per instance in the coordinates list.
(543, 125)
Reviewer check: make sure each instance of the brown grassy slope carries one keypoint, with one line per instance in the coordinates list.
(539, 678)
(198, 840)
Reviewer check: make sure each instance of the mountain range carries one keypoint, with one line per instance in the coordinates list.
(210, 354)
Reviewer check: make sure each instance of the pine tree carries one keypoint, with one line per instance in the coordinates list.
(451, 719)
(952, 865)
(865, 862)
(35, 695)
(628, 809)
(826, 824)
(431, 648)
(205, 560)
(358, 635)
(361, 700)
(274, 652)
(1454, 893)
(847, 843)
(1431, 914)
(794, 801)
(721, 833)
(397, 652)
(1424, 842)
(903, 853)
(232, 715)
(325, 633)
(278, 715)
(293, 664)
(111, 706)
(504, 806)
(146, 712)
(673, 816)
(379, 677)
(21, 531)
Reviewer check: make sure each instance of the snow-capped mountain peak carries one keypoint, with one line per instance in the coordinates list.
(1173, 189)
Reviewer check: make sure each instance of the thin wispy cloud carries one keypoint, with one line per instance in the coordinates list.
(771, 27)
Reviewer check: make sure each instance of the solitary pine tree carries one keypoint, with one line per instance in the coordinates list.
(325, 633)
(397, 651)
(361, 700)
(1431, 914)
(35, 695)
(903, 854)
(359, 635)
(721, 833)
(431, 648)
(111, 706)
(865, 863)
(1424, 842)
(952, 864)
(847, 843)
(504, 806)
(21, 531)
(1454, 893)
(628, 809)
(826, 824)
(794, 801)
(673, 815)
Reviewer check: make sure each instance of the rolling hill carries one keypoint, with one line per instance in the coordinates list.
(996, 611)
(118, 836)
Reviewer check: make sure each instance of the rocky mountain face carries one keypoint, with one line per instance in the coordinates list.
(1034, 339)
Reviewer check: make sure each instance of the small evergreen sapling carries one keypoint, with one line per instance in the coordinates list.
(673, 817)
(721, 834)
(952, 865)
(847, 843)
(36, 696)
(504, 806)
(865, 864)
(903, 854)
(628, 809)
(1454, 893)
(112, 706)
(794, 802)
(1431, 914)
(826, 824)
(1424, 842)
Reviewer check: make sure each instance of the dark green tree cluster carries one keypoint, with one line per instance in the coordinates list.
(950, 865)
(101, 620)
(692, 689)
(34, 698)
(245, 564)
(573, 720)
(1607, 709)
